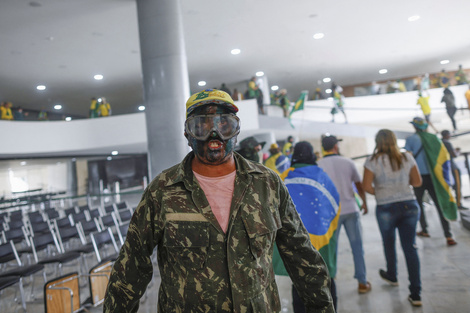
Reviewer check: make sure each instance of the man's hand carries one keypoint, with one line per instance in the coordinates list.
(364, 209)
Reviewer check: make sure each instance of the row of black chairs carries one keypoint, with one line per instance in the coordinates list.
(65, 240)
(16, 219)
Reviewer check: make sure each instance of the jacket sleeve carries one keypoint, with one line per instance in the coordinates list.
(303, 262)
(133, 269)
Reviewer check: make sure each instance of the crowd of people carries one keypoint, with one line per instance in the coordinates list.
(388, 175)
(421, 84)
(224, 224)
(99, 107)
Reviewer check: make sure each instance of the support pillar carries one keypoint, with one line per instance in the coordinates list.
(165, 81)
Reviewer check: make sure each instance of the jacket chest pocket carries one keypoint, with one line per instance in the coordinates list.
(187, 242)
(261, 233)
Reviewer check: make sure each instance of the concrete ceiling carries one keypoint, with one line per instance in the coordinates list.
(63, 43)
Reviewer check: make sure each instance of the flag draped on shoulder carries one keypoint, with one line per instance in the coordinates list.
(317, 202)
(299, 104)
(441, 174)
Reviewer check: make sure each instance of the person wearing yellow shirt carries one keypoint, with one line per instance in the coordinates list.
(94, 106)
(6, 113)
(104, 108)
(467, 95)
(424, 103)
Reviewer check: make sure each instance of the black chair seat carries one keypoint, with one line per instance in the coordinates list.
(61, 258)
(6, 258)
(88, 248)
(23, 270)
(8, 281)
(25, 250)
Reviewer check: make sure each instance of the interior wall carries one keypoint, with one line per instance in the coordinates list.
(82, 176)
(15, 180)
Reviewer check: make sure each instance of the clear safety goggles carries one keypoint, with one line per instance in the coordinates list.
(202, 126)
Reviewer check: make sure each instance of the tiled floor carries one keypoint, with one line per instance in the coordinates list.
(445, 274)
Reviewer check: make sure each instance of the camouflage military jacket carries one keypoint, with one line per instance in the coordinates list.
(204, 269)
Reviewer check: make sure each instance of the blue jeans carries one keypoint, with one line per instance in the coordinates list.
(352, 225)
(403, 216)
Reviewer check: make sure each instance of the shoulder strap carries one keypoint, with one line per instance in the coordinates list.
(419, 151)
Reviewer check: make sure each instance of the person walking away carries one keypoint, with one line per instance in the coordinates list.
(214, 219)
(317, 201)
(338, 99)
(453, 153)
(425, 108)
(449, 100)
(414, 144)
(344, 174)
(388, 174)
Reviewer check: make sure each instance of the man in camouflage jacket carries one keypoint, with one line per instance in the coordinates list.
(203, 267)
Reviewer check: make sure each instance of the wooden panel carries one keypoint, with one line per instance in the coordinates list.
(99, 277)
(61, 292)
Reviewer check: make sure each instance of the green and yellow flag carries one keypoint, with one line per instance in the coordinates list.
(441, 174)
(299, 104)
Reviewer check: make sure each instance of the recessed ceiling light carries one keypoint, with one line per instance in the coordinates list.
(109, 158)
(98, 77)
(259, 74)
(383, 71)
(57, 107)
(328, 90)
(445, 62)
(318, 36)
(235, 51)
(414, 18)
(141, 107)
(326, 80)
(41, 87)
(274, 88)
(115, 152)
(68, 119)
(201, 83)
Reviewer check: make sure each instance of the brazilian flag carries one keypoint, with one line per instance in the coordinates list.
(439, 163)
(317, 202)
(299, 104)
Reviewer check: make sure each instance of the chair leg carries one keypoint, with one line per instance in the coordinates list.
(32, 287)
(44, 275)
(23, 300)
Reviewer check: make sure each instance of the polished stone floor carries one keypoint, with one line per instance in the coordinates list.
(445, 274)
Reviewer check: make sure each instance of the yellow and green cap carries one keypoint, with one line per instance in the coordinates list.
(207, 96)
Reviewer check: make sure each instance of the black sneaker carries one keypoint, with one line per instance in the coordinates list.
(415, 300)
(387, 278)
